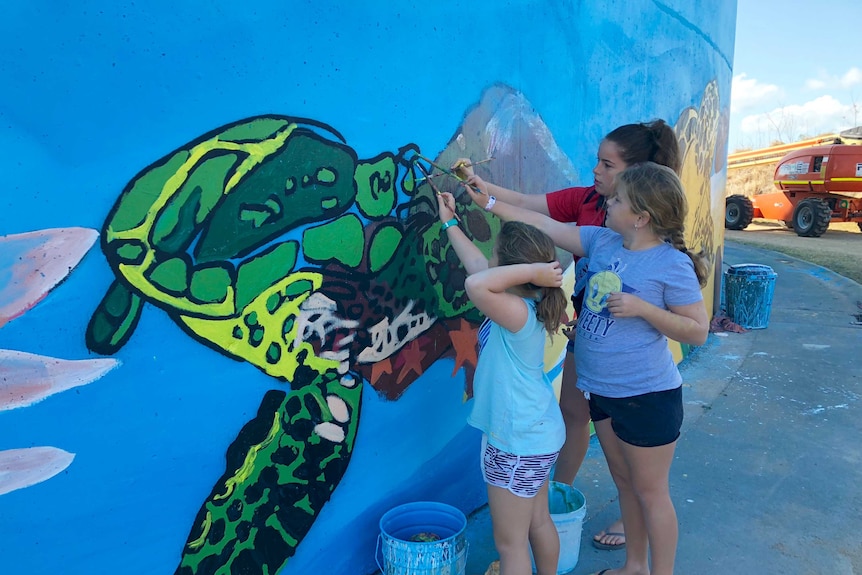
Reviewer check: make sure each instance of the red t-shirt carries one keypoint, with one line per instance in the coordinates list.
(578, 205)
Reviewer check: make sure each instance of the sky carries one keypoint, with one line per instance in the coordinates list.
(797, 70)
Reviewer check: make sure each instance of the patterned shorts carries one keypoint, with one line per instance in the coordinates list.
(523, 475)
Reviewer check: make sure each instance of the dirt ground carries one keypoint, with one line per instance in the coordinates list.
(839, 249)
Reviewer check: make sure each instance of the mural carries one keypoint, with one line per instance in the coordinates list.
(269, 241)
(266, 282)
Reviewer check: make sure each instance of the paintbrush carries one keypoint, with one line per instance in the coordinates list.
(446, 171)
(474, 163)
(433, 187)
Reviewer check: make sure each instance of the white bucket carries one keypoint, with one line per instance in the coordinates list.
(568, 508)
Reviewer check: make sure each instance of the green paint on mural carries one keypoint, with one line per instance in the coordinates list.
(384, 243)
(135, 204)
(261, 207)
(341, 240)
(210, 285)
(171, 275)
(375, 184)
(254, 131)
(130, 252)
(177, 223)
(298, 288)
(258, 274)
(116, 316)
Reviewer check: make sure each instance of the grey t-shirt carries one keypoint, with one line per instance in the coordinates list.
(623, 357)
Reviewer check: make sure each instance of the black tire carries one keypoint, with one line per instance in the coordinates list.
(811, 218)
(738, 212)
(860, 226)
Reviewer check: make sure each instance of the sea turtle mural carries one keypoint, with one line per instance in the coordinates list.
(271, 242)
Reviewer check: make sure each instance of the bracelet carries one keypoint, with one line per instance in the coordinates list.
(491, 201)
(449, 224)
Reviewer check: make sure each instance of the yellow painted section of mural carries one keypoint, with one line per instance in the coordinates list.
(698, 132)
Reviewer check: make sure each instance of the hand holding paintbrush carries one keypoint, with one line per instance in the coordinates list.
(457, 171)
(449, 204)
(461, 170)
(446, 207)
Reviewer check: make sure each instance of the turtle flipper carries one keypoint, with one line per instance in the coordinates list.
(281, 470)
(114, 320)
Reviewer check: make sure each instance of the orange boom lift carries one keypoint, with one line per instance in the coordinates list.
(817, 185)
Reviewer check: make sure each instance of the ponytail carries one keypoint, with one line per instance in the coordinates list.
(551, 309)
(666, 146)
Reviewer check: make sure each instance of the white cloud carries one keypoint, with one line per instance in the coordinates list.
(747, 93)
(852, 77)
(821, 115)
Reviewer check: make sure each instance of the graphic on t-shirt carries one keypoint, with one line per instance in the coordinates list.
(599, 287)
(595, 320)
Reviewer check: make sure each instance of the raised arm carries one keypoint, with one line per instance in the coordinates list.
(532, 202)
(487, 290)
(471, 257)
(565, 236)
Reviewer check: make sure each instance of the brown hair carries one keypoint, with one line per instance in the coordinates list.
(520, 243)
(650, 142)
(656, 190)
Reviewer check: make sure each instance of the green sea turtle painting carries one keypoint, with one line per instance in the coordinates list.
(269, 241)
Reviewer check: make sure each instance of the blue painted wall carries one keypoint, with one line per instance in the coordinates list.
(97, 91)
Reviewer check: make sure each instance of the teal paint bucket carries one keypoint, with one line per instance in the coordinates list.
(748, 291)
(422, 538)
(568, 507)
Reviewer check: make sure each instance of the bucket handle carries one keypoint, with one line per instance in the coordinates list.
(376, 552)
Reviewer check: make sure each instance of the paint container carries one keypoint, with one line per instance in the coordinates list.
(402, 554)
(748, 290)
(568, 508)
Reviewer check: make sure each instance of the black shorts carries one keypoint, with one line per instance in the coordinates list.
(647, 420)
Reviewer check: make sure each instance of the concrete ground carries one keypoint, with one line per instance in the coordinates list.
(768, 471)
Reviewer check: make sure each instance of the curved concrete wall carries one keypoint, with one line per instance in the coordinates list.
(216, 253)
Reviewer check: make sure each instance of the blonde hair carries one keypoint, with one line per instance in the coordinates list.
(520, 243)
(656, 190)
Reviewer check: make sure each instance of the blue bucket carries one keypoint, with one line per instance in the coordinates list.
(748, 290)
(423, 538)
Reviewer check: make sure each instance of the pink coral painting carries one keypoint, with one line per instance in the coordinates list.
(31, 265)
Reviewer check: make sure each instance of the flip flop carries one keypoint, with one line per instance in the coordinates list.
(610, 546)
